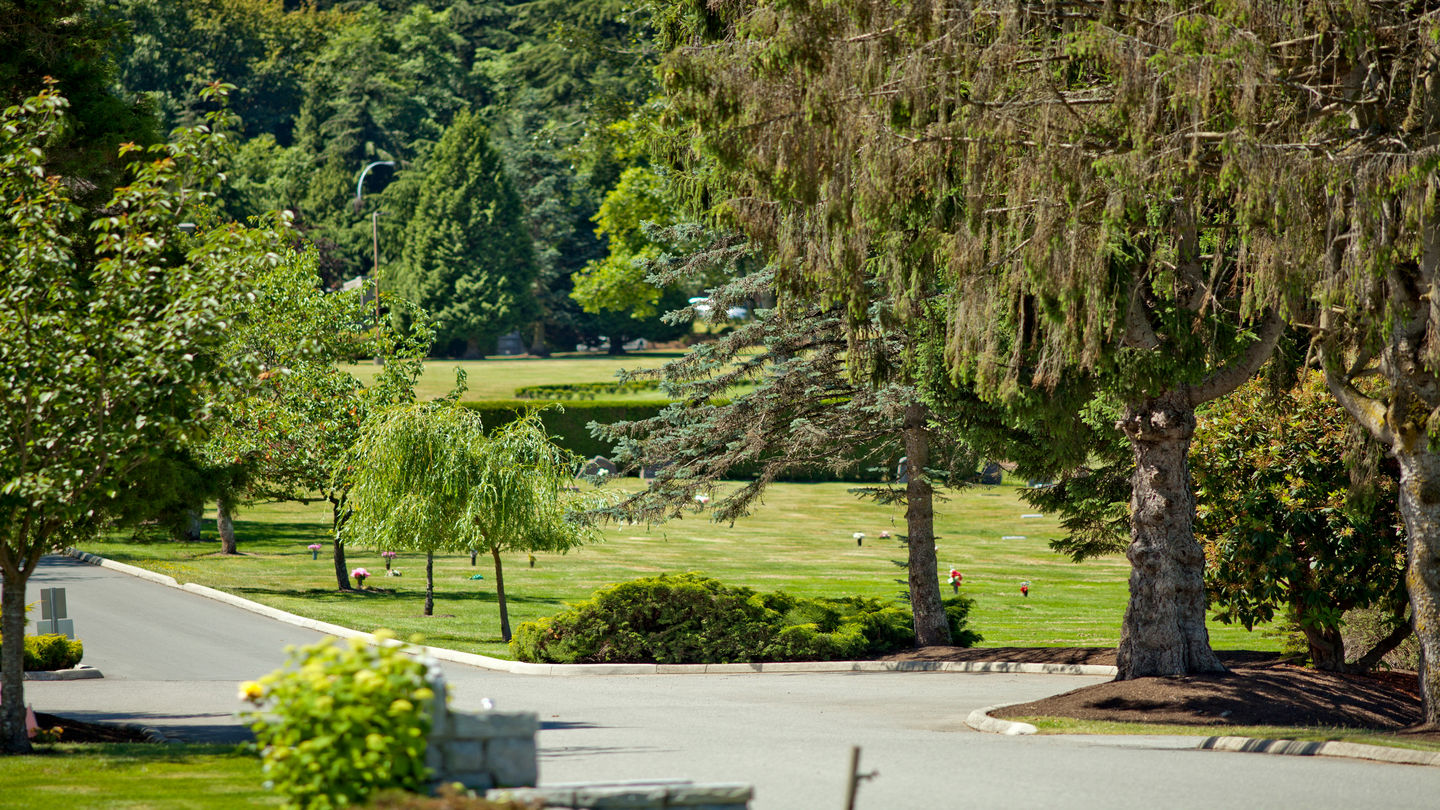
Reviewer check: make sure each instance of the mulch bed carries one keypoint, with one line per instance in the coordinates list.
(1260, 689)
(77, 731)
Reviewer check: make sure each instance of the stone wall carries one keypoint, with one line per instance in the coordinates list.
(482, 751)
(651, 795)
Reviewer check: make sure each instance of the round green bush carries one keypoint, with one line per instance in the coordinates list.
(341, 721)
(49, 652)
(693, 619)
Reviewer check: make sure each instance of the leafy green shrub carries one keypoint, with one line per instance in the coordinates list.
(50, 652)
(341, 721)
(692, 619)
(590, 390)
(957, 615)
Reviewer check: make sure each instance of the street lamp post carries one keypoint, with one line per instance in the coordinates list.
(375, 241)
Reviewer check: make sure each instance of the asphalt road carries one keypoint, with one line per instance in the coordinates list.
(173, 660)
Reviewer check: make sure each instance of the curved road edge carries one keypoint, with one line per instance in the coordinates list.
(523, 668)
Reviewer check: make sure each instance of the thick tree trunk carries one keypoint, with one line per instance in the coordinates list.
(923, 573)
(1420, 504)
(1327, 648)
(429, 583)
(12, 661)
(537, 341)
(342, 573)
(1164, 627)
(500, 595)
(225, 523)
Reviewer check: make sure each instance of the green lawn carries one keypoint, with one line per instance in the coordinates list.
(1066, 725)
(799, 540)
(152, 777)
(498, 377)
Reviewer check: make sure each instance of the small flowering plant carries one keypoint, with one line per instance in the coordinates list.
(884, 535)
(314, 551)
(378, 694)
(360, 575)
(702, 500)
(389, 557)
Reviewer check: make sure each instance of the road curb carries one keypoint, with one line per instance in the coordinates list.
(573, 670)
(79, 673)
(980, 720)
(1330, 748)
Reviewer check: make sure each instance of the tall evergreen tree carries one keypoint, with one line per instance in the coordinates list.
(467, 259)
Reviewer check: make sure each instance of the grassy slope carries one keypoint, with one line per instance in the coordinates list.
(799, 540)
(101, 777)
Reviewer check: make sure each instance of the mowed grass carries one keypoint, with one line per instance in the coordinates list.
(799, 540)
(498, 377)
(133, 776)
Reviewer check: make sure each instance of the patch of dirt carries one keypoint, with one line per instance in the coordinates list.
(77, 731)
(1260, 689)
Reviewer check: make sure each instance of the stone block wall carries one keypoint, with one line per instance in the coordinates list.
(482, 751)
(650, 795)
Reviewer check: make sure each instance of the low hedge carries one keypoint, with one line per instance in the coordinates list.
(693, 619)
(50, 652)
(590, 390)
(570, 429)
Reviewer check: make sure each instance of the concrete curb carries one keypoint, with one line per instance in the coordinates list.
(79, 673)
(523, 668)
(980, 720)
(1331, 748)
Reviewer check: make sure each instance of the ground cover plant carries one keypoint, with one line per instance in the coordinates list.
(68, 776)
(799, 540)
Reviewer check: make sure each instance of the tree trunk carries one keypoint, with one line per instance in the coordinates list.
(13, 739)
(500, 595)
(931, 626)
(1327, 648)
(224, 521)
(1382, 648)
(1420, 504)
(537, 341)
(1164, 631)
(337, 519)
(617, 346)
(429, 583)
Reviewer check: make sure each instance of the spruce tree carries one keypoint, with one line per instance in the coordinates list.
(467, 258)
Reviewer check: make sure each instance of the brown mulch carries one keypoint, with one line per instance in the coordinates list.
(77, 731)
(1260, 689)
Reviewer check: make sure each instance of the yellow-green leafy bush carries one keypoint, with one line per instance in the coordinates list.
(340, 721)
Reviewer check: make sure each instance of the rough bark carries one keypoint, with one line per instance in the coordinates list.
(500, 595)
(1327, 648)
(337, 547)
(429, 583)
(925, 600)
(12, 662)
(1420, 504)
(1164, 632)
(225, 524)
(537, 341)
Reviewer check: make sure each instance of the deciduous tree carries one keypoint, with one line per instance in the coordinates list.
(106, 347)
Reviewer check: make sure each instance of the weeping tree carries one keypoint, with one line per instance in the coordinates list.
(429, 479)
(1075, 177)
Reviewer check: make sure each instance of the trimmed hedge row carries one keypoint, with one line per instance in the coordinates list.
(693, 619)
(49, 652)
(590, 390)
(568, 426)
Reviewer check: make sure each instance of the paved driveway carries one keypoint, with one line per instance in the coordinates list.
(173, 660)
